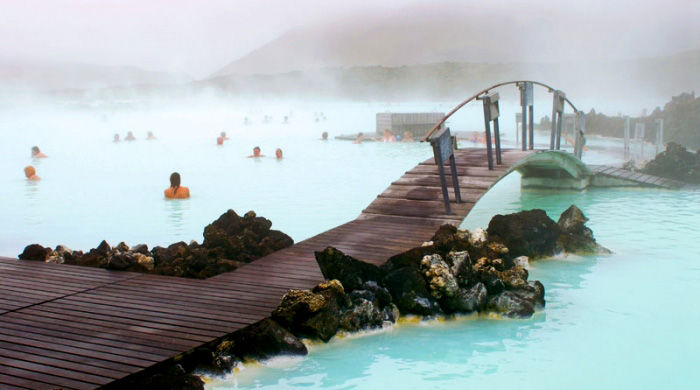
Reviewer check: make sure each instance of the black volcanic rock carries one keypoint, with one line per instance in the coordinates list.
(527, 233)
(261, 340)
(575, 237)
(676, 162)
(351, 272)
(35, 252)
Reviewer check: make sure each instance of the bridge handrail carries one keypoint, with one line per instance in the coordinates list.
(486, 91)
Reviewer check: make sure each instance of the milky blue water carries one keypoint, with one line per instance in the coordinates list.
(628, 320)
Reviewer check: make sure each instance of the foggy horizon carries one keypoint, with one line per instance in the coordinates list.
(199, 38)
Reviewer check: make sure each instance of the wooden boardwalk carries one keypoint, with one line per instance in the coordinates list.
(641, 178)
(75, 327)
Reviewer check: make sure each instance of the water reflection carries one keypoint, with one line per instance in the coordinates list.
(31, 194)
(176, 212)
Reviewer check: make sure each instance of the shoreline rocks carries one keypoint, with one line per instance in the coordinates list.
(457, 271)
(677, 163)
(229, 241)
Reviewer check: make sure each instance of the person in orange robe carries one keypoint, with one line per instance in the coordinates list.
(175, 191)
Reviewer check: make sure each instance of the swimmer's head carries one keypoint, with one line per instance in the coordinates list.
(175, 180)
(324, 135)
(387, 132)
(116, 137)
(29, 171)
(35, 150)
(223, 134)
(360, 134)
(256, 151)
(278, 153)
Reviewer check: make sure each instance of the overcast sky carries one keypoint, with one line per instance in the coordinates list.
(198, 37)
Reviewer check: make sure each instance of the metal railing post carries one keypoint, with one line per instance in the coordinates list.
(487, 125)
(443, 149)
(531, 129)
(580, 134)
(557, 119)
(626, 144)
(526, 101)
(491, 113)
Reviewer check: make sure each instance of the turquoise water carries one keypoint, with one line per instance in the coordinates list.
(628, 320)
(620, 321)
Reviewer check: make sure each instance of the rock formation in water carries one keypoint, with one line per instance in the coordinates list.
(228, 242)
(675, 163)
(458, 271)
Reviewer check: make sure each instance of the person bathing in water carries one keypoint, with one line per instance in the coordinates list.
(359, 139)
(324, 136)
(223, 135)
(278, 153)
(150, 135)
(130, 136)
(30, 172)
(388, 137)
(407, 137)
(116, 138)
(256, 153)
(36, 153)
(175, 191)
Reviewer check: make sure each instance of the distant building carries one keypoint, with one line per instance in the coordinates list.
(417, 123)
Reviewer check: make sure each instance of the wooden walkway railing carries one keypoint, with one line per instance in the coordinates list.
(81, 328)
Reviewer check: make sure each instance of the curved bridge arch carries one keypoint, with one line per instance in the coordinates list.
(485, 91)
(537, 172)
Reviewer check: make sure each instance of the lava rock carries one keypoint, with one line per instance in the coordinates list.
(461, 267)
(410, 292)
(677, 163)
(466, 300)
(575, 237)
(510, 304)
(314, 313)
(350, 272)
(35, 252)
(437, 273)
(530, 233)
(243, 238)
(261, 340)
